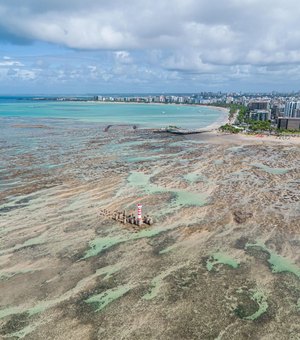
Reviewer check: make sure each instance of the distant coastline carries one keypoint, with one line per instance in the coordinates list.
(210, 117)
(223, 119)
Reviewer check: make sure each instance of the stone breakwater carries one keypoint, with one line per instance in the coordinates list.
(220, 261)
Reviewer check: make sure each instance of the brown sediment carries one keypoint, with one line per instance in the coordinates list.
(60, 246)
(31, 126)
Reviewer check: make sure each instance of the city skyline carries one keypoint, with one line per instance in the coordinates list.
(192, 46)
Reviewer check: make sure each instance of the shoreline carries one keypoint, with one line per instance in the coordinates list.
(223, 119)
(198, 189)
(253, 139)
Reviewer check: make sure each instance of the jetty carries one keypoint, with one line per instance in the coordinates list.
(110, 126)
(179, 131)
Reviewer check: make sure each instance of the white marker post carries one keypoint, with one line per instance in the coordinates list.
(139, 216)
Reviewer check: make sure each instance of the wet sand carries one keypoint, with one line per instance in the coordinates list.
(221, 261)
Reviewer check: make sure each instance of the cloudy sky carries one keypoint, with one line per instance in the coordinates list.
(97, 46)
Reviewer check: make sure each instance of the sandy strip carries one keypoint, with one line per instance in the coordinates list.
(241, 138)
(271, 138)
(224, 118)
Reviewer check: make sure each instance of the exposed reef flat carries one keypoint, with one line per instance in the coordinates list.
(221, 261)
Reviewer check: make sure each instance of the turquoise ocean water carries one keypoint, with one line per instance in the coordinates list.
(40, 140)
(143, 115)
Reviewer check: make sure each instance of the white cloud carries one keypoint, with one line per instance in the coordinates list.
(223, 40)
(8, 62)
(14, 69)
(123, 57)
(204, 25)
(21, 74)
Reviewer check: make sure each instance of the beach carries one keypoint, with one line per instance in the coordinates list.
(223, 119)
(220, 260)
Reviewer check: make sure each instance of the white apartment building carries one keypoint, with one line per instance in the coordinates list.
(292, 109)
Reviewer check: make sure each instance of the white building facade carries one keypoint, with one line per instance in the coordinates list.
(292, 109)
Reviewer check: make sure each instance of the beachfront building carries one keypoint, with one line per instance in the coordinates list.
(162, 99)
(229, 100)
(262, 115)
(277, 111)
(288, 123)
(292, 109)
(259, 105)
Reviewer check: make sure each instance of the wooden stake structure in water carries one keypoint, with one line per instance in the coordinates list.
(121, 216)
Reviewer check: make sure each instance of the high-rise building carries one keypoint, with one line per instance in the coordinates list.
(263, 115)
(259, 105)
(292, 109)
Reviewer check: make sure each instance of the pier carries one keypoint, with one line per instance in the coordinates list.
(110, 126)
(180, 131)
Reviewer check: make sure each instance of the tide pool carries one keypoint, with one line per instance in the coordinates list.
(142, 181)
(278, 263)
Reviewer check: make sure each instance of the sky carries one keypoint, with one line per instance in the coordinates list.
(143, 46)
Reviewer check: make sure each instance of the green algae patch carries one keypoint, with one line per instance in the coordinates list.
(167, 250)
(107, 271)
(180, 197)
(186, 198)
(139, 179)
(28, 243)
(157, 282)
(10, 311)
(278, 263)
(220, 258)
(147, 233)
(261, 300)
(100, 301)
(142, 159)
(39, 308)
(155, 286)
(218, 161)
(193, 177)
(100, 244)
(253, 304)
(23, 332)
(42, 306)
(8, 275)
(273, 171)
(33, 242)
(298, 305)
